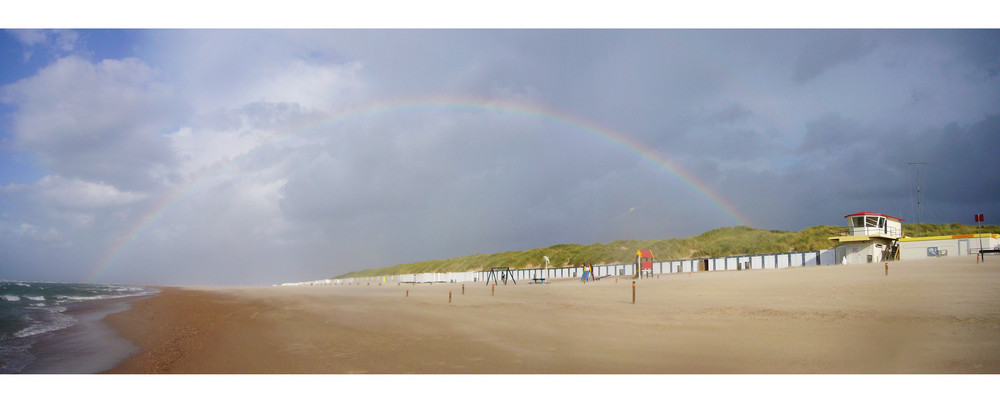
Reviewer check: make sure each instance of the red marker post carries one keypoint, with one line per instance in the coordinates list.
(633, 292)
(449, 296)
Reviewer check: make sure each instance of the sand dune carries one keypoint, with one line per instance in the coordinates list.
(929, 316)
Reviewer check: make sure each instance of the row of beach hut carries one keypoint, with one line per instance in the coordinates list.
(744, 262)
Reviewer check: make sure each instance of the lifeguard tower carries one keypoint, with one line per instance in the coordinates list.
(643, 263)
(871, 237)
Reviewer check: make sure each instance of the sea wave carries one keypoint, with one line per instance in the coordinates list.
(34, 311)
(94, 297)
(77, 298)
(46, 320)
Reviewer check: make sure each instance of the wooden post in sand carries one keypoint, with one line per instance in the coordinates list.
(493, 290)
(449, 296)
(633, 292)
(407, 293)
(886, 268)
(463, 289)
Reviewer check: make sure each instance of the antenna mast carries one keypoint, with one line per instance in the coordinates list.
(918, 193)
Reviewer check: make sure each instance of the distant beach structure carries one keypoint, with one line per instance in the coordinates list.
(947, 245)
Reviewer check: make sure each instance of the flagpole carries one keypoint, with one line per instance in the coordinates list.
(979, 219)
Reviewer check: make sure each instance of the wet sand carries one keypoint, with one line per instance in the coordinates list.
(927, 316)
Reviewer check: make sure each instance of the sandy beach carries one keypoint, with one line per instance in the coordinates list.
(927, 316)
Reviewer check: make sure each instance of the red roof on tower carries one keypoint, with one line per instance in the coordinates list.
(871, 213)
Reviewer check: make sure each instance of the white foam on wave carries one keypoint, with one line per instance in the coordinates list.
(135, 292)
(35, 297)
(54, 320)
(11, 298)
(85, 298)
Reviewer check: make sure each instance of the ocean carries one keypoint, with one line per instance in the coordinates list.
(57, 328)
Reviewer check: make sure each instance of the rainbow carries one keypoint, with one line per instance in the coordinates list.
(515, 108)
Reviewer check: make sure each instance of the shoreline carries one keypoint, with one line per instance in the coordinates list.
(927, 316)
(62, 328)
(159, 325)
(89, 345)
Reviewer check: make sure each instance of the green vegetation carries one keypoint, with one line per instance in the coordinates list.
(715, 243)
(948, 229)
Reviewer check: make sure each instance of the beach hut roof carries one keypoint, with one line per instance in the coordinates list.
(644, 253)
(875, 214)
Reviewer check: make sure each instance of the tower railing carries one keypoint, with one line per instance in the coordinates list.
(890, 232)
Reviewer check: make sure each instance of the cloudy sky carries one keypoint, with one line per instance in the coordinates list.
(266, 156)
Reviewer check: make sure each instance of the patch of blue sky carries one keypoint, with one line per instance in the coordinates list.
(111, 43)
(19, 168)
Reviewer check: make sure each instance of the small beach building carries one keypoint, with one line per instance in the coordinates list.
(871, 237)
(946, 245)
(643, 263)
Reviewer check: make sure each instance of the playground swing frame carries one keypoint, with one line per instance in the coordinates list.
(494, 273)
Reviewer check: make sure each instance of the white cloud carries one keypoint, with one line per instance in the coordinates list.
(101, 121)
(69, 204)
(36, 233)
(29, 37)
(229, 69)
(297, 82)
(77, 193)
(310, 85)
(57, 42)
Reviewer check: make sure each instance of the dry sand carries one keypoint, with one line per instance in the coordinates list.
(927, 316)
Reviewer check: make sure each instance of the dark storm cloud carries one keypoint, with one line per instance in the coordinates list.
(833, 133)
(829, 49)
